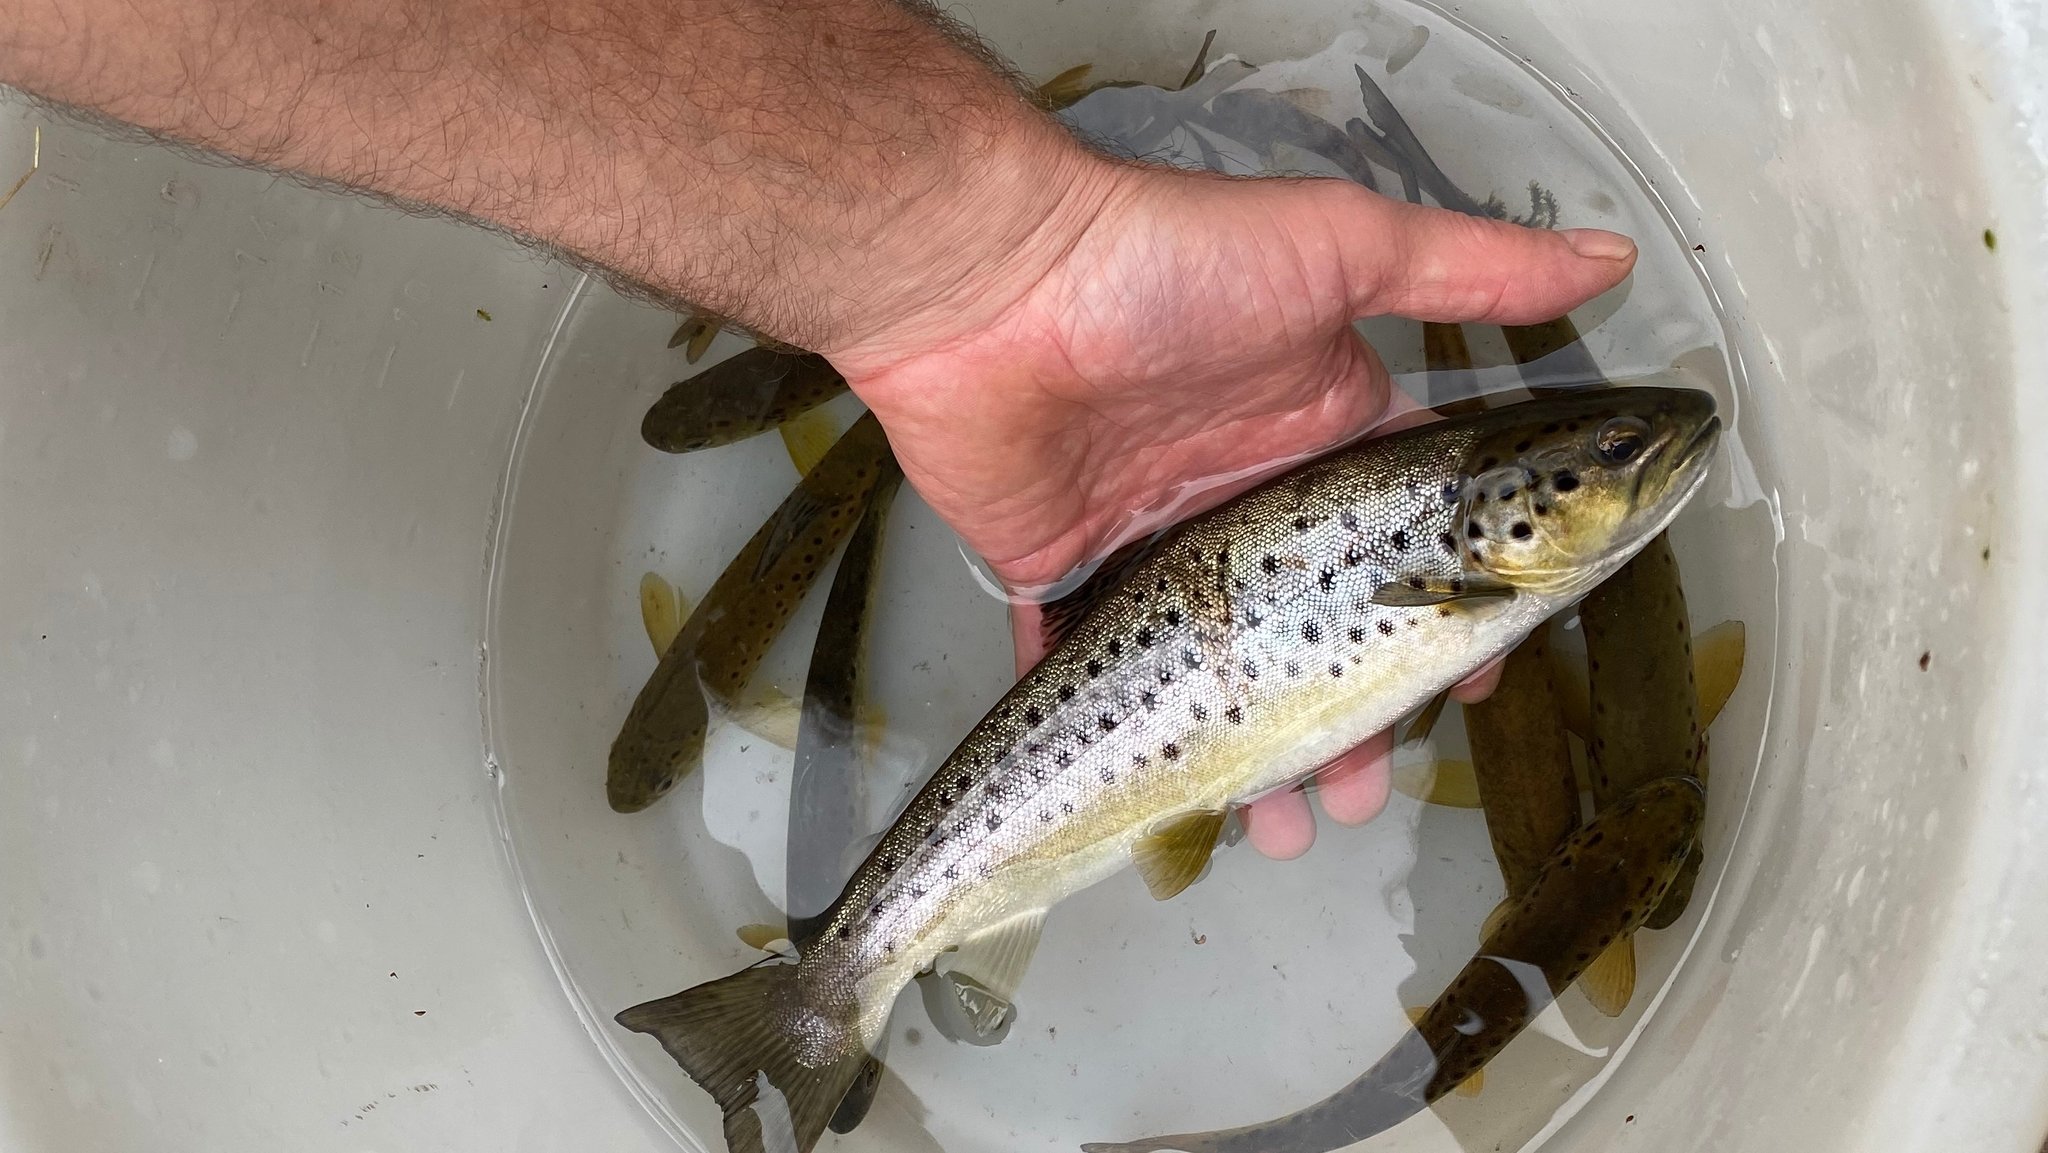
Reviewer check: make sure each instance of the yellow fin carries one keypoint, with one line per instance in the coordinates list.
(1174, 853)
(768, 713)
(1717, 656)
(1471, 1086)
(1574, 696)
(762, 936)
(1067, 87)
(1493, 919)
(1610, 980)
(1439, 782)
(661, 610)
(808, 438)
(1425, 721)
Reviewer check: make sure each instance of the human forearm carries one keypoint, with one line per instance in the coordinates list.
(815, 168)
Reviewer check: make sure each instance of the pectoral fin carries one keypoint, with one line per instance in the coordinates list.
(1419, 592)
(1610, 981)
(1173, 854)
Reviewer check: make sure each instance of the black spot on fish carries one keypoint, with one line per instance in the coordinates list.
(1116, 649)
(1399, 540)
(1473, 531)
(1251, 671)
(1336, 668)
(1550, 428)
(1149, 699)
(1301, 524)
(1033, 716)
(1457, 584)
(995, 821)
(1293, 668)
(1312, 632)
(845, 931)
(1162, 580)
(1191, 657)
(1356, 635)
(1107, 722)
(952, 873)
(1270, 563)
(1144, 638)
(1523, 446)
(1386, 628)
(1353, 556)
(1450, 492)
(1045, 815)
(1170, 751)
(1094, 667)
(1165, 674)
(1542, 510)
(1520, 530)
(1172, 618)
(1449, 543)
(1199, 713)
(962, 783)
(1564, 481)
(1063, 758)
(1327, 581)
(1234, 714)
(1066, 806)
(1066, 692)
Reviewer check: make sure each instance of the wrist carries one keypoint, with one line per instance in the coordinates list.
(950, 263)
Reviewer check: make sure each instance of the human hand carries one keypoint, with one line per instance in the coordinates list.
(1189, 337)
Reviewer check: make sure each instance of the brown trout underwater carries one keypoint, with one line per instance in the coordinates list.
(1248, 646)
(745, 610)
(1597, 886)
(1645, 708)
(734, 399)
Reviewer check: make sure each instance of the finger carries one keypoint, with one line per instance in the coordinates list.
(1353, 788)
(1432, 264)
(1479, 685)
(1027, 634)
(1280, 825)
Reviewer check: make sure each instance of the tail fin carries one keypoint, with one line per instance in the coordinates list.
(729, 1037)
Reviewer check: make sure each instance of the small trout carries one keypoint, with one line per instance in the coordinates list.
(1523, 764)
(734, 399)
(1249, 646)
(1600, 884)
(825, 797)
(1645, 714)
(724, 640)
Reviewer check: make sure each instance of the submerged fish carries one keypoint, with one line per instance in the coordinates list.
(1249, 646)
(723, 641)
(1601, 883)
(826, 801)
(1645, 718)
(734, 399)
(1523, 764)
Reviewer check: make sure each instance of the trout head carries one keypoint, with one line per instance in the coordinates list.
(1557, 494)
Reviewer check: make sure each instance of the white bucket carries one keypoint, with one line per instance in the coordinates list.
(254, 439)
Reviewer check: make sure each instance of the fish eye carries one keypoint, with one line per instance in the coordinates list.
(1621, 440)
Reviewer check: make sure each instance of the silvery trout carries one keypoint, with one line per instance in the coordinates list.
(1598, 886)
(1248, 646)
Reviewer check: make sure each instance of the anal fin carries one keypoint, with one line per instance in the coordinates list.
(1171, 857)
(1610, 981)
(972, 994)
(1425, 721)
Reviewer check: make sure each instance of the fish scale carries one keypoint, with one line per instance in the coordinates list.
(1241, 651)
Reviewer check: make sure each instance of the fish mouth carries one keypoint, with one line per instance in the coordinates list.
(1704, 439)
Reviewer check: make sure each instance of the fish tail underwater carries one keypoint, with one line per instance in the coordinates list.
(730, 1037)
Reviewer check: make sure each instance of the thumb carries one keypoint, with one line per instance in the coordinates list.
(1433, 264)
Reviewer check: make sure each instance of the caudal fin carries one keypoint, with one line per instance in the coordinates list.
(727, 1035)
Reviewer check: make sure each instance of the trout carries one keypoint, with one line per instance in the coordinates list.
(734, 399)
(1247, 647)
(1597, 886)
(723, 642)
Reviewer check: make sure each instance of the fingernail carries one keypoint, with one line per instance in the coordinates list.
(1599, 244)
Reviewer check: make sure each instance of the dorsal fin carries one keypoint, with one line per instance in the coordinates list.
(1058, 617)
